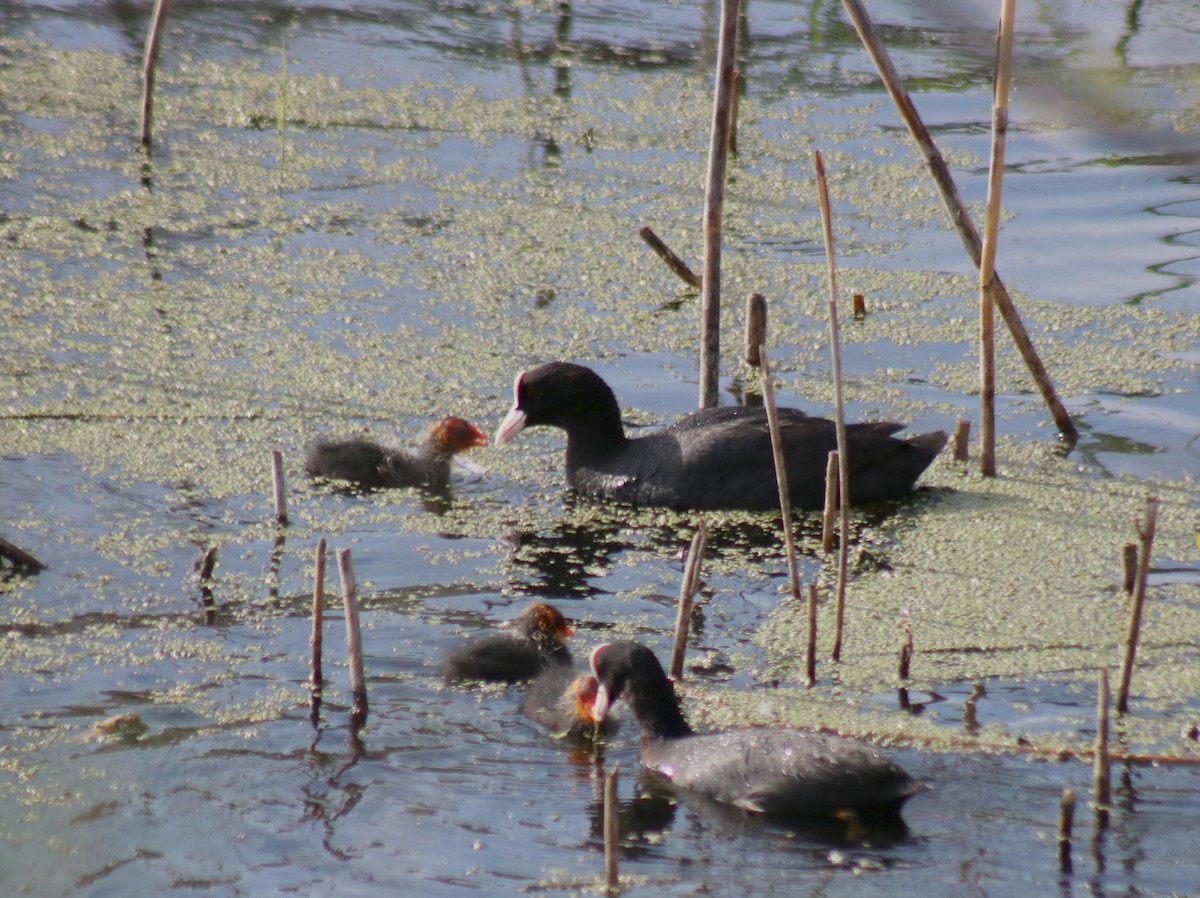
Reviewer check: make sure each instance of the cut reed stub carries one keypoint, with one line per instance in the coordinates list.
(611, 829)
(756, 328)
(906, 653)
(1129, 563)
(358, 682)
(1101, 780)
(315, 639)
(962, 439)
(832, 481)
(1145, 548)
(810, 665)
(687, 592)
(277, 488)
(1066, 822)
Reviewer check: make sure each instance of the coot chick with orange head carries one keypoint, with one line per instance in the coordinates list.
(533, 643)
(371, 465)
(562, 700)
(713, 458)
(766, 770)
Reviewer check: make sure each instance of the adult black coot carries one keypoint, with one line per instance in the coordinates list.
(371, 465)
(765, 770)
(714, 458)
(561, 700)
(534, 643)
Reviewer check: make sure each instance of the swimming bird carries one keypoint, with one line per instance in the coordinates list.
(534, 643)
(561, 700)
(713, 458)
(767, 770)
(371, 465)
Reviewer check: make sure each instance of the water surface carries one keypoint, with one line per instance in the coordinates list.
(430, 198)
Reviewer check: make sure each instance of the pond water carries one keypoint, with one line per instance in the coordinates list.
(428, 198)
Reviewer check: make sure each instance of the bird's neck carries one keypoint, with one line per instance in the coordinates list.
(658, 714)
(594, 427)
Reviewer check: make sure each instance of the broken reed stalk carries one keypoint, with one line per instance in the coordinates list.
(358, 683)
(21, 560)
(756, 337)
(277, 487)
(611, 829)
(785, 499)
(831, 502)
(1129, 566)
(839, 412)
(859, 305)
(204, 567)
(1101, 786)
(756, 327)
(714, 199)
(208, 562)
(673, 261)
(959, 214)
(1066, 822)
(687, 591)
(149, 65)
(906, 653)
(810, 665)
(962, 439)
(970, 715)
(991, 228)
(1146, 543)
(318, 614)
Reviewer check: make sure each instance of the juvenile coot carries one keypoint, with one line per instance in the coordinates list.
(714, 458)
(534, 642)
(766, 770)
(561, 700)
(371, 465)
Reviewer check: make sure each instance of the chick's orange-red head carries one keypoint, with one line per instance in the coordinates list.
(457, 435)
(583, 692)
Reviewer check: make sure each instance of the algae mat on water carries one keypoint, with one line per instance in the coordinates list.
(1013, 580)
(406, 258)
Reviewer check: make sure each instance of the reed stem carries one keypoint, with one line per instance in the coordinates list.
(959, 214)
(149, 68)
(839, 412)
(714, 200)
(991, 229)
(687, 591)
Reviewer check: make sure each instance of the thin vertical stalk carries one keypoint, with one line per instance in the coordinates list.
(149, 65)
(839, 412)
(832, 483)
(785, 499)
(1066, 820)
(612, 879)
(810, 661)
(277, 488)
(1101, 782)
(358, 681)
(1146, 540)
(318, 615)
(991, 229)
(714, 199)
(687, 591)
